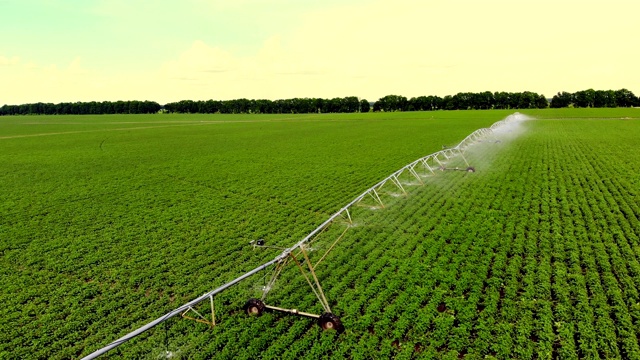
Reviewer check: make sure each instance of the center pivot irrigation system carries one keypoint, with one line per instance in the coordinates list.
(298, 254)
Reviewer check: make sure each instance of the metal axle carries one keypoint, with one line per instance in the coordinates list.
(292, 311)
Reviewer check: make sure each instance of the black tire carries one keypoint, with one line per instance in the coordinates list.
(254, 307)
(328, 321)
(471, 169)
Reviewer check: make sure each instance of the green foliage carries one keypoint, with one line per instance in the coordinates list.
(113, 221)
(349, 104)
(595, 99)
(463, 101)
(83, 108)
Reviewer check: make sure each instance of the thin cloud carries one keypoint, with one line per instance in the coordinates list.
(336, 48)
(14, 60)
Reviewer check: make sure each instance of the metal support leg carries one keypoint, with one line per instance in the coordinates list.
(463, 158)
(306, 277)
(397, 183)
(276, 272)
(213, 312)
(426, 165)
(313, 273)
(200, 318)
(376, 197)
(330, 248)
(349, 216)
(415, 174)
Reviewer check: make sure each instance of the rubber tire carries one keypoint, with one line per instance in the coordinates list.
(254, 307)
(328, 321)
(471, 169)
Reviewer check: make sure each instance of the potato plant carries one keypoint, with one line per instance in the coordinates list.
(108, 224)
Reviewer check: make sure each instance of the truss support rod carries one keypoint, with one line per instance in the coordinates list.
(463, 158)
(349, 216)
(376, 197)
(306, 277)
(201, 320)
(415, 174)
(313, 273)
(213, 312)
(279, 266)
(330, 247)
(397, 183)
(379, 187)
(426, 165)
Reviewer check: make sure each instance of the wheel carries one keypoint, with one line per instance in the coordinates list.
(254, 307)
(328, 321)
(471, 169)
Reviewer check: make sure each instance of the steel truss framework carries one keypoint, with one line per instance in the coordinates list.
(422, 167)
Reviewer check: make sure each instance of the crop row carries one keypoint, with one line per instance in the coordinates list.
(534, 256)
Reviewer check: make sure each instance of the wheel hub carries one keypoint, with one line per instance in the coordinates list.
(328, 325)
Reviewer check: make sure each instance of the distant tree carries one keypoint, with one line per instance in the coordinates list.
(107, 107)
(448, 103)
(610, 99)
(514, 100)
(403, 103)
(419, 103)
(501, 100)
(335, 105)
(462, 101)
(436, 102)
(528, 100)
(485, 100)
(350, 104)
(561, 100)
(542, 102)
(604, 98)
(584, 98)
(392, 103)
(364, 106)
(625, 98)
(318, 104)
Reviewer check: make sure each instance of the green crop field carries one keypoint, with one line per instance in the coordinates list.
(108, 222)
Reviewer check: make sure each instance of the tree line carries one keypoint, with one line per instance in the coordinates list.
(463, 101)
(83, 108)
(460, 101)
(595, 99)
(350, 104)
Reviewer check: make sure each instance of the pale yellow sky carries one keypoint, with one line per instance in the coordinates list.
(282, 49)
